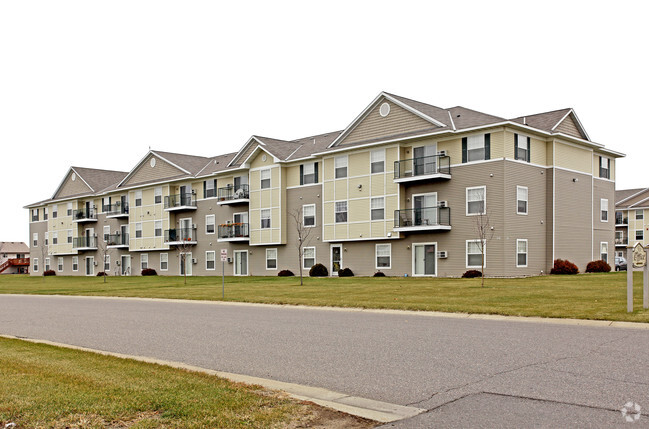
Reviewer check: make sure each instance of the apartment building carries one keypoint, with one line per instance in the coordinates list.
(399, 190)
(14, 257)
(631, 207)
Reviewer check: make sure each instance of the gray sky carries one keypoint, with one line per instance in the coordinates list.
(94, 84)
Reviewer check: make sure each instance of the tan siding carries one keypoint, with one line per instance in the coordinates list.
(146, 173)
(573, 235)
(72, 187)
(603, 231)
(568, 126)
(573, 158)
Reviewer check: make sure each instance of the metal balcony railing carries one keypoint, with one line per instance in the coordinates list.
(622, 241)
(116, 209)
(177, 201)
(84, 214)
(422, 166)
(230, 193)
(234, 230)
(619, 220)
(118, 240)
(180, 235)
(84, 242)
(422, 217)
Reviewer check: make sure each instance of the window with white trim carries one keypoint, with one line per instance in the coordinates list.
(209, 188)
(521, 253)
(271, 259)
(106, 232)
(69, 209)
(639, 234)
(157, 195)
(474, 253)
(475, 200)
(164, 261)
(210, 260)
(75, 263)
(340, 208)
(639, 214)
(46, 213)
(59, 263)
(69, 236)
(383, 256)
(521, 199)
(144, 261)
(308, 173)
(476, 148)
(55, 211)
(105, 204)
(35, 266)
(603, 207)
(308, 215)
(35, 239)
(377, 208)
(47, 264)
(603, 251)
(47, 238)
(377, 161)
(55, 237)
(138, 198)
(34, 215)
(210, 224)
(265, 218)
(340, 165)
(265, 178)
(308, 257)
(138, 230)
(107, 264)
(157, 228)
(522, 149)
(604, 167)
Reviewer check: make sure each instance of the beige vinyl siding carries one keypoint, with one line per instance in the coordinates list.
(147, 214)
(596, 157)
(604, 231)
(269, 198)
(258, 160)
(145, 173)
(538, 147)
(453, 148)
(72, 187)
(292, 174)
(568, 126)
(244, 155)
(573, 157)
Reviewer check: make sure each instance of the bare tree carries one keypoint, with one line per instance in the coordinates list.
(102, 250)
(484, 231)
(303, 237)
(45, 252)
(183, 249)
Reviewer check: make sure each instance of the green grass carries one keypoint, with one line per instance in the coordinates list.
(46, 386)
(584, 296)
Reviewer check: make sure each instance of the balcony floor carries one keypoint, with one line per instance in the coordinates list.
(221, 240)
(441, 176)
(180, 208)
(238, 201)
(417, 228)
(180, 242)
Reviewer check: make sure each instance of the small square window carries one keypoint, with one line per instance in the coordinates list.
(340, 166)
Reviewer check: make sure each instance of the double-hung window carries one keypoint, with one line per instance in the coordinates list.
(47, 264)
(308, 257)
(35, 268)
(603, 207)
(55, 237)
(603, 252)
(138, 230)
(639, 214)
(265, 218)
(144, 261)
(271, 259)
(106, 232)
(639, 234)
(341, 211)
(75, 263)
(59, 264)
(157, 192)
(35, 239)
(377, 161)
(138, 198)
(157, 228)
(164, 261)
(308, 215)
(69, 236)
(210, 224)
(340, 164)
(69, 209)
(521, 148)
(383, 256)
(521, 199)
(55, 211)
(309, 173)
(47, 238)
(45, 213)
(209, 188)
(107, 264)
(377, 208)
(210, 260)
(265, 178)
(476, 200)
(476, 148)
(34, 215)
(521, 253)
(604, 167)
(474, 252)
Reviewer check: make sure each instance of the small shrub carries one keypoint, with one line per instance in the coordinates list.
(565, 267)
(49, 273)
(598, 267)
(149, 272)
(318, 270)
(285, 273)
(471, 274)
(345, 272)
(379, 274)
(102, 274)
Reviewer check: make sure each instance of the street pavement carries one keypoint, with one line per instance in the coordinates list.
(465, 372)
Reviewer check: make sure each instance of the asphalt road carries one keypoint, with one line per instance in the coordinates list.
(467, 373)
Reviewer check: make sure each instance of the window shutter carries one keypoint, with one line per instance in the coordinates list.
(487, 146)
(464, 150)
(204, 188)
(529, 146)
(515, 146)
(315, 170)
(301, 174)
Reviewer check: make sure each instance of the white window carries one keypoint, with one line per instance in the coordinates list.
(474, 253)
(138, 198)
(55, 212)
(55, 237)
(378, 208)
(377, 161)
(164, 261)
(158, 195)
(210, 224)
(138, 230)
(639, 234)
(265, 178)
(521, 199)
(69, 236)
(639, 214)
(383, 256)
(603, 205)
(210, 188)
(521, 253)
(341, 211)
(35, 268)
(475, 148)
(308, 173)
(144, 261)
(35, 239)
(45, 213)
(475, 200)
(308, 257)
(522, 148)
(69, 209)
(59, 264)
(105, 204)
(604, 167)
(271, 259)
(157, 227)
(34, 215)
(265, 218)
(603, 251)
(107, 264)
(340, 163)
(210, 260)
(106, 232)
(75, 263)
(47, 238)
(47, 264)
(308, 215)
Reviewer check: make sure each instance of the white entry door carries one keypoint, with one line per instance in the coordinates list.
(336, 258)
(90, 266)
(126, 265)
(424, 259)
(240, 262)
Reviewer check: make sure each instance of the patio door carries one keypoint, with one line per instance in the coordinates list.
(426, 209)
(187, 266)
(336, 258)
(425, 162)
(424, 259)
(240, 224)
(90, 266)
(126, 265)
(186, 229)
(240, 262)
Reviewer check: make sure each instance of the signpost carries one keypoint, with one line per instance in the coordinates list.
(224, 259)
(638, 257)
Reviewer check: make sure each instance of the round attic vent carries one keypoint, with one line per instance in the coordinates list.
(74, 176)
(384, 110)
(152, 162)
(264, 157)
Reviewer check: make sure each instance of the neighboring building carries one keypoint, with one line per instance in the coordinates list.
(398, 190)
(631, 210)
(14, 257)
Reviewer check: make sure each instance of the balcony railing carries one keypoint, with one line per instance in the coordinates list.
(186, 201)
(84, 215)
(180, 236)
(422, 219)
(234, 232)
(619, 220)
(86, 242)
(621, 241)
(117, 240)
(425, 167)
(231, 194)
(116, 210)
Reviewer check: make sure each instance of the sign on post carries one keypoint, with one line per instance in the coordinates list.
(638, 257)
(224, 259)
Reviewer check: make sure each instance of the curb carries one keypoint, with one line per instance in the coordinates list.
(383, 412)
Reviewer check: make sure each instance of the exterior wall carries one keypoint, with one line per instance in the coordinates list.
(147, 214)
(72, 187)
(568, 126)
(263, 199)
(572, 157)
(603, 231)
(146, 173)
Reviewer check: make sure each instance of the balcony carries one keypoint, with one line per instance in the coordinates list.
(232, 195)
(423, 219)
(85, 242)
(117, 210)
(622, 242)
(434, 167)
(178, 202)
(234, 232)
(180, 236)
(84, 215)
(621, 221)
(117, 241)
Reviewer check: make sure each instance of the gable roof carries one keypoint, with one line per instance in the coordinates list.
(549, 121)
(188, 165)
(13, 247)
(95, 179)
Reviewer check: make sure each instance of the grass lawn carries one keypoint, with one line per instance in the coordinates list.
(584, 296)
(46, 386)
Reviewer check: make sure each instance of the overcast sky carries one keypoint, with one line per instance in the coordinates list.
(95, 84)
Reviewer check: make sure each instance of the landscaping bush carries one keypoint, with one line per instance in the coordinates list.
(285, 273)
(318, 270)
(471, 274)
(102, 274)
(379, 274)
(49, 273)
(598, 267)
(565, 267)
(149, 272)
(345, 272)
